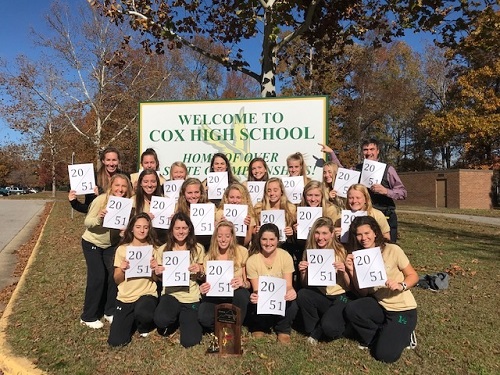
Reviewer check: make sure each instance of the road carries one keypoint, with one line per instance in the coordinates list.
(19, 218)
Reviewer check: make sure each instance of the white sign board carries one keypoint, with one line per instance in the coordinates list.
(277, 217)
(118, 213)
(271, 293)
(176, 272)
(320, 271)
(236, 214)
(139, 260)
(345, 178)
(271, 128)
(203, 218)
(162, 209)
(370, 269)
(372, 173)
(256, 190)
(219, 276)
(306, 216)
(346, 218)
(82, 178)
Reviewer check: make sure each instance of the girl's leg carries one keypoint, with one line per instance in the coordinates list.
(365, 315)
(312, 303)
(96, 276)
(394, 335)
(144, 313)
(332, 321)
(206, 313)
(241, 299)
(123, 325)
(190, 327)
(111, 290)
(167, 312)
(284, 323)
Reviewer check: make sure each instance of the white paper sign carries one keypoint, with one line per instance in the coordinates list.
(294, 186)
(372, 173)
(172, 188)
(219, 276)
(139, 258)
(345, 178)
(277, 217)
(162, 209)
(306, 216)
(346, 219)
(256, 190)
(236, 214)
(320, 271)
(217, 182)
(203, 218)
(271, 294)
(118, 214)
(82, 178)
(176, 265)
(369, 266)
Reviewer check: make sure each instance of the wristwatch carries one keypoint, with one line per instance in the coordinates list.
(403, 284)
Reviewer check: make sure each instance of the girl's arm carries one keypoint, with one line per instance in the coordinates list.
(303, 264)
(410, 280)
(290, 294)
(119, 273)
(351, 272)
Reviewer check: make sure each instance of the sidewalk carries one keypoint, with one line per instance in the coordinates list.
(475, 219)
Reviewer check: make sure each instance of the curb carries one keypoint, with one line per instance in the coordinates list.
(11, 364)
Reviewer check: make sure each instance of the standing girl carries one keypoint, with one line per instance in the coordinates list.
(322, 307)
(179, 305)
(258, 170)
(99, 246)
(329, 174)
(149, 160)
(110, 165)
(137, 297)
(385, 317)
(178, 171)
(225, 247)
(220, 163)
(266, 259)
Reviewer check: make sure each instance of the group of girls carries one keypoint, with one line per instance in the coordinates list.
(375, 314)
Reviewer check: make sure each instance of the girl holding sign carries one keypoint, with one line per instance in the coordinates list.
(236, 193)
(148, 185)
(137, 297)
(99, 246)
(225, 247)
(297, 166)
(110, 165)
(358, 199)
(329, 174)
(322, 307)
(386, 316)
(179, 305)
(266, 259)
(275, 199)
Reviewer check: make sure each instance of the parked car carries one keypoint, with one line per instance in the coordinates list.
(4, 191)
(14, 190)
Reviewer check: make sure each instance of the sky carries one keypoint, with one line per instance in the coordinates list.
(19, 16)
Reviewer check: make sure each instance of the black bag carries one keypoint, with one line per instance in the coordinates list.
(436, 281)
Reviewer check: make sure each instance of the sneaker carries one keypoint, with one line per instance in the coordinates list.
(258, 334)
(284, 338)
(413, 341)
(144, 334)
(108, 318)
(363, 347)
(96, 324)
(312, 341)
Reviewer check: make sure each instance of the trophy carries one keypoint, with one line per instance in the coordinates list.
(227, 339)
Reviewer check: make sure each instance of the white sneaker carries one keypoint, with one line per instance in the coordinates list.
(413, 341)
(363, 347)
(108, 318)
(144, 334)
(96, 324)
(312, 341)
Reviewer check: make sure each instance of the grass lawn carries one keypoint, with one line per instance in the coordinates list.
(456, 330)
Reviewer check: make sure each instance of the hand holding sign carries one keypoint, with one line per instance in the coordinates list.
(118, 212)
(139, 258)
(81, 178)
(370, 268)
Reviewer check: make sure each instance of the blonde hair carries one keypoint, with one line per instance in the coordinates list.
(334, 243)
(182, 203)
(116, 176)
(315, 185)
(337, 201)
(245, 195)
(366, 194)
(300, 158)
(232, 250)
(179, 164)
(284, 202)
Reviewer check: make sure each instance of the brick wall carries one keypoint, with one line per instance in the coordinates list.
(465, 188)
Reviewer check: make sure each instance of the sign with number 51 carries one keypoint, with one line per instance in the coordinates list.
(370, 269)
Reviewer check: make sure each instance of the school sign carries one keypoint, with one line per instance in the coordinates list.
(271, 128)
